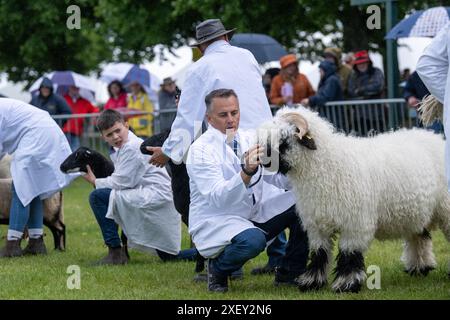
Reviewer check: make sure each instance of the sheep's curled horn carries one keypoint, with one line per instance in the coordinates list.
(302, 133)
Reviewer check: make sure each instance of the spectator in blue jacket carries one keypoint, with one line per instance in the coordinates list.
(329, 90)
(51, 102)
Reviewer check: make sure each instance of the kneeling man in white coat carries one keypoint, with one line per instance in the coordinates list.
(137, 197)
(234, 212)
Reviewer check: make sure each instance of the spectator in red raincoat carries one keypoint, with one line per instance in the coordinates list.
(118, 96)
(74, 127)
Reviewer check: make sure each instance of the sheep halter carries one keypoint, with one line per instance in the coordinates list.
(297, 120)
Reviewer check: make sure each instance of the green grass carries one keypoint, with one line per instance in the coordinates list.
(147, 277)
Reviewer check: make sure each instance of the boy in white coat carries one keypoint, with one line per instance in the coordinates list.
(137, 196)
(39, 147)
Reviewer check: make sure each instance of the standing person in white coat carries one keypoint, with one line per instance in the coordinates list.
(433, 69)
(137, 196)
(221, 66)
(39, 147)
(234, 212)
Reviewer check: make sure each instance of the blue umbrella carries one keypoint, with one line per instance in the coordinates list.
(423, 23)
(263, 47)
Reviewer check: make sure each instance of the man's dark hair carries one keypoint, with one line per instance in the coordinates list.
(219, 93)
(108, 118)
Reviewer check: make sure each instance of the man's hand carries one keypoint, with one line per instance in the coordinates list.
(89, 176)
(252, 159)
(413, 102)
(158, 158)
(305, 102)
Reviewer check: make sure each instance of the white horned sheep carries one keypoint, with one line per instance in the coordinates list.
(389, 186)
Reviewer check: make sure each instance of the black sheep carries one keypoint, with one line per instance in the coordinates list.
(179, 182)
(80, 158)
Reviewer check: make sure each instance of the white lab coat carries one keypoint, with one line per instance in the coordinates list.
(39, 148)
(222, 66)
(433, 69)
(221, 205)
(141, 200)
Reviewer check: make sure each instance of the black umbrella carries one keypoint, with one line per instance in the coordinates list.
(263, 47)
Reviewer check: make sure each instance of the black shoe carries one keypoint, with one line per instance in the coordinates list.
(285, 277)
(35, 246)
(216, 282)
(263, 270)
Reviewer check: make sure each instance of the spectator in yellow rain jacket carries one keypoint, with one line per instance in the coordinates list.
(139, 101)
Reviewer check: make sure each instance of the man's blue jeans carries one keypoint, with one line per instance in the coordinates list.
(99, 200)
(20, 216)
(251, 242)
(276, 250)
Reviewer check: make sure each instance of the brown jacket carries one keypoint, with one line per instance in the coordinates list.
(302, 89)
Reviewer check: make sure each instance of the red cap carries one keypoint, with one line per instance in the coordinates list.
(361, 57)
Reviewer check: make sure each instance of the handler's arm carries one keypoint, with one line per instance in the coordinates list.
(433, 64)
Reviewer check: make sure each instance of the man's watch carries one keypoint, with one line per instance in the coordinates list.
(250, 174)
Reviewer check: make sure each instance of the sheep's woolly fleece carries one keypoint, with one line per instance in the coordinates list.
(388, 186)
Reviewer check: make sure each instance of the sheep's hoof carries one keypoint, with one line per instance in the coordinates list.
(352, 287)
(349, 283)
(311, 281)
(416, 272)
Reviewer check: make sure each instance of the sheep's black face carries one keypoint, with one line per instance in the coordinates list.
(277, 154)
(77, 161)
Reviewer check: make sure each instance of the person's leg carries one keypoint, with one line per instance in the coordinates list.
(99, 200)
(186, 255)
(76, 142)
(18, 217)
(275, 252)
(294, 261)
(244, 246)
(36, 243)
(277, 249)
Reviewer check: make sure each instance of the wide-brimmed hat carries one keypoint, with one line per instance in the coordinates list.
(287, 60)
(209, 30)
(361, 57)
(167, 81)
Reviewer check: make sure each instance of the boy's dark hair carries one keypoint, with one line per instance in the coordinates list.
(108, 118)
(219, 93)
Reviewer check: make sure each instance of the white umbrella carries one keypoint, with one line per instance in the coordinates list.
(62, 80)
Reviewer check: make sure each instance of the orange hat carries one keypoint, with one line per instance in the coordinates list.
(361, 57)
(287, 60)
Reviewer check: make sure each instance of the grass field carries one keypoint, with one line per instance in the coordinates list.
(147, 277)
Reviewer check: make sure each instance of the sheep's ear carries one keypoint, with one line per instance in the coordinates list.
(307, 141)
